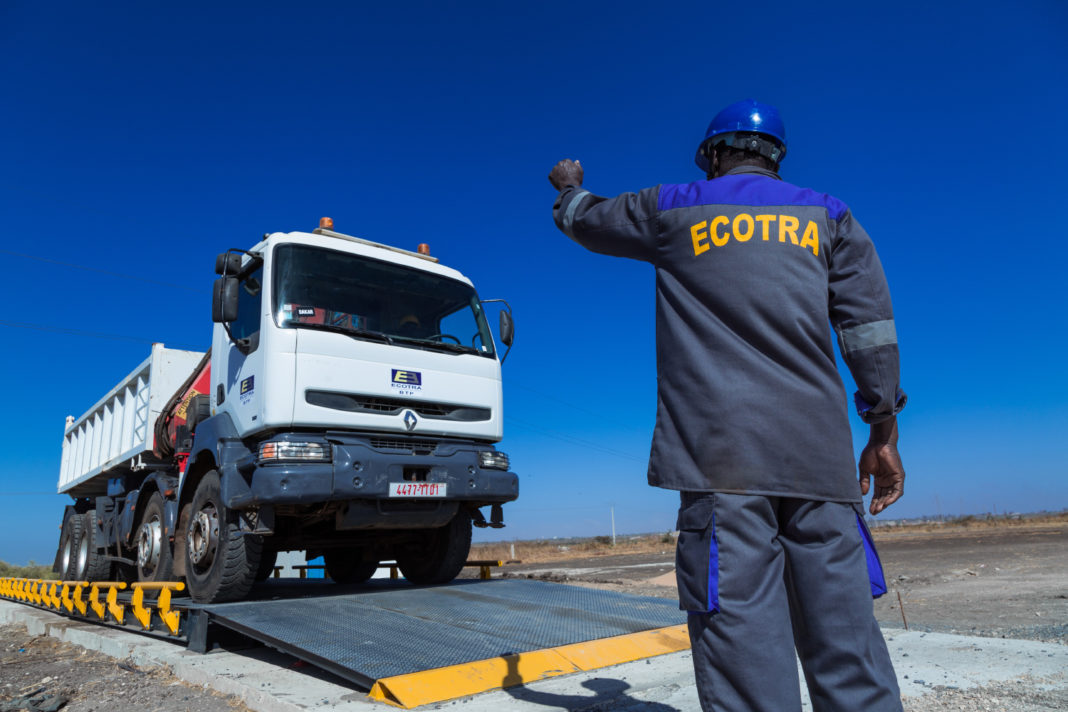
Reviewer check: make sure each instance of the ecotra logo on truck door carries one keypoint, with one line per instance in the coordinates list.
(406, 382)
(248, 387)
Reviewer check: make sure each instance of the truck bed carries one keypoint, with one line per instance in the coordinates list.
(117, 431)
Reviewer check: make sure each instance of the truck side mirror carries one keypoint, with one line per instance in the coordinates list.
(228, 263)
(507, 328)
(224, 300)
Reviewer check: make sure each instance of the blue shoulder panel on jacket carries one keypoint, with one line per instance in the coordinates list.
(745, 189)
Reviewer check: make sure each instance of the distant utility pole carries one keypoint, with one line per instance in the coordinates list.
(612, 510)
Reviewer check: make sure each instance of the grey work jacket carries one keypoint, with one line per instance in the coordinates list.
(751, 272)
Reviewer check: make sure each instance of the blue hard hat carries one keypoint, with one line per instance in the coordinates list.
(748, 116)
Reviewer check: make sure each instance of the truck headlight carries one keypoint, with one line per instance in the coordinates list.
(493, 460)
(295, 452)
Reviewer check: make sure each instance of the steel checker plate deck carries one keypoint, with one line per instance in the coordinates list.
(367, 636)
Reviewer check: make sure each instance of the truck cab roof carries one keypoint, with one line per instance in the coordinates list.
(356, 245)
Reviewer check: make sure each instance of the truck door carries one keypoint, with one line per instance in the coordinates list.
(237, 359)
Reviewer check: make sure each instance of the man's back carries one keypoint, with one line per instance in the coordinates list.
(748, 271)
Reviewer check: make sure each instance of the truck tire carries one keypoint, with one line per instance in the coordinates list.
(155, 559)
(221, 562)
(442, 555)
(97, 564)
(268, 558)
(347, 566)
(69, 538)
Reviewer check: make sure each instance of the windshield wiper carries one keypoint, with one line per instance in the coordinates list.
(357, 333)
(443, 345)
(387, 339)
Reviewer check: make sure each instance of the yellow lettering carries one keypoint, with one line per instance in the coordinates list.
(697, 232)
(738, 234)
(811, 238)
(764, 220)
(743, 227)
(788, 226)
(717, 239)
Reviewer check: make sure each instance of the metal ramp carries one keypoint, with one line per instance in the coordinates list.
(411, 646)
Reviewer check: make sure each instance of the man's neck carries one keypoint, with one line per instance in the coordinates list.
(747, 168)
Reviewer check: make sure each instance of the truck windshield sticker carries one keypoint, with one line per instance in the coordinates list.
(406, 382)
(315, 315)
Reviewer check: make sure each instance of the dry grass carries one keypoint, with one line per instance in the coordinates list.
(544, 550)
(31, 570)
(971, 524)
(541, 550)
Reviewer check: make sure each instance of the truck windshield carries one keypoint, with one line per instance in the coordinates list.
(370, 299)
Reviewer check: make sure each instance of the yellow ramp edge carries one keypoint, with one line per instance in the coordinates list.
(440, 684)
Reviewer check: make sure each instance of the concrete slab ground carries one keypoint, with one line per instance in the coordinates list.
(273, 682)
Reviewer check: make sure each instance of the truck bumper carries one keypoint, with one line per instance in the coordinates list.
(371, 468)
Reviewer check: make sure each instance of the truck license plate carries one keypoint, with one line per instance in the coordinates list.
(417, 489)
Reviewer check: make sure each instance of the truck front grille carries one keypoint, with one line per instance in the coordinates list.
(412, 447)
(357, 403)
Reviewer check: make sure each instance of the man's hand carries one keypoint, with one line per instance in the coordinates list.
(565, 173)
(881, 460)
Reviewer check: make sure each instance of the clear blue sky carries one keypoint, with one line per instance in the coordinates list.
(142, 139)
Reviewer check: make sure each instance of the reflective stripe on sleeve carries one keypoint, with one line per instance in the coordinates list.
(867, 336)
(569, 214)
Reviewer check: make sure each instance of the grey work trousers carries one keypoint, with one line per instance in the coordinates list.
(761, 576)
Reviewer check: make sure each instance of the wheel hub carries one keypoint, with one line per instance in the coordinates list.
(149, 545)
(203, 539)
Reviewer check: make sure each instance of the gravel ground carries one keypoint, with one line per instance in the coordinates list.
(39, 673)
(1024, 695)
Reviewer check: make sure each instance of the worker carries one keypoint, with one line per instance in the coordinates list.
(411, 327)
(752, 424)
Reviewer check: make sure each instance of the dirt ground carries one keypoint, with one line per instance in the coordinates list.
(39, 673)
(998, 582)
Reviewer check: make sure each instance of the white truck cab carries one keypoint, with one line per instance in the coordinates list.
(347, 334)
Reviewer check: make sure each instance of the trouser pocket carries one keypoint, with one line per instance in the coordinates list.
(697, 557)
(875, 567)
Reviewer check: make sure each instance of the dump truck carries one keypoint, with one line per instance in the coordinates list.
(348, 407)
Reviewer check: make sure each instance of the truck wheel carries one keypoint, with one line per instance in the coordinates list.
(97, 565)
(268, 558)
(347, 566)
(221, 562)
(442, 555)
(155, 560)
(68, 546)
